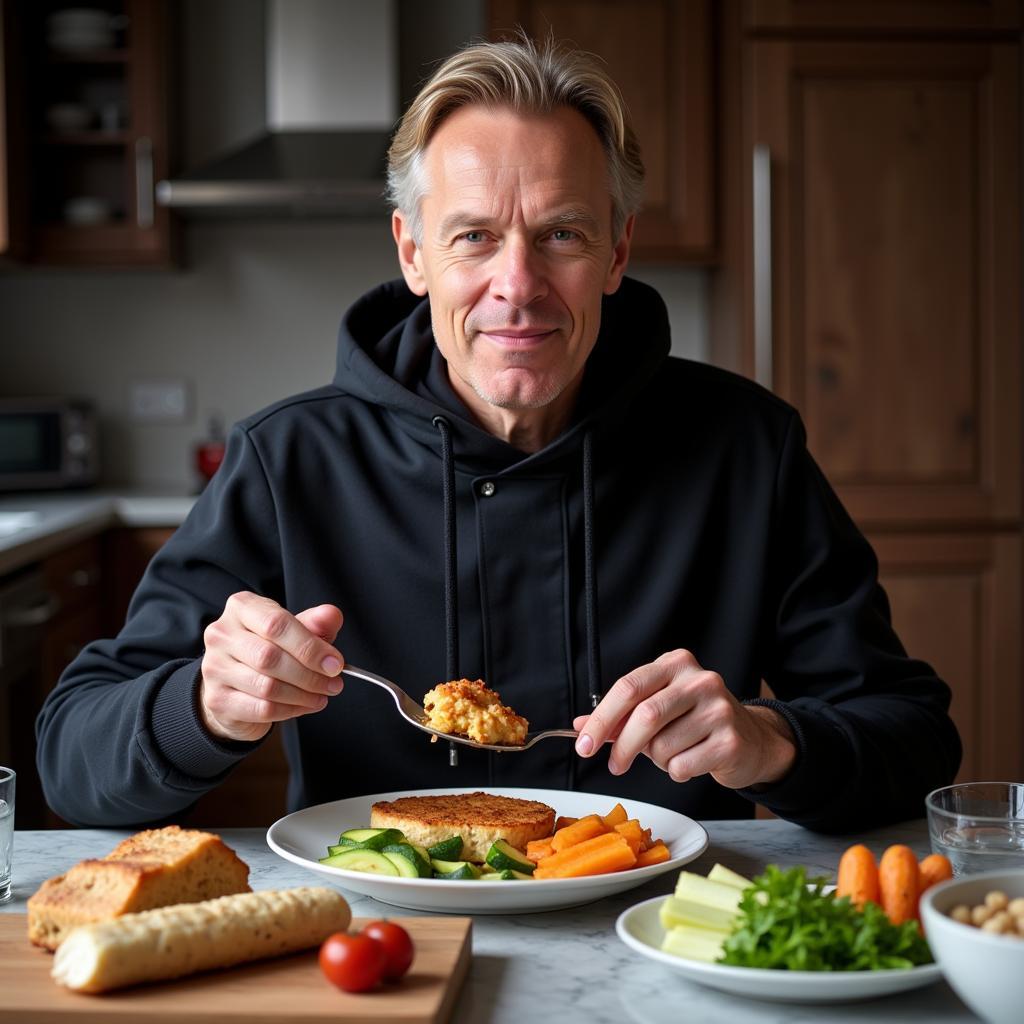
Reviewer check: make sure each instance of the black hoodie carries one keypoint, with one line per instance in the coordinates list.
(680, 509)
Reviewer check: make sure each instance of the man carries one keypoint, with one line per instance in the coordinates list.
(510, 479)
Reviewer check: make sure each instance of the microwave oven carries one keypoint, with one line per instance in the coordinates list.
(47, 443)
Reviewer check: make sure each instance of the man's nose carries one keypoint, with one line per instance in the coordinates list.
(519, 274)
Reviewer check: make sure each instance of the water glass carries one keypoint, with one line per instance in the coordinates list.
(979, 826)
(7, 778)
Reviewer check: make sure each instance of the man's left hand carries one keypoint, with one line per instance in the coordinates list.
(686, 721)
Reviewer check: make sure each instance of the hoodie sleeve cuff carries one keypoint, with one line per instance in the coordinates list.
(822, 763)
(179, 734)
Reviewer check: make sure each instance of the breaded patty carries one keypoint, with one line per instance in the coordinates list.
(480, 818)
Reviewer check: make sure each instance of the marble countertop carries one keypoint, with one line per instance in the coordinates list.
(569, 965)
(34, 525)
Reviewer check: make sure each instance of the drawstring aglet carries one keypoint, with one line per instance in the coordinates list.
(595, 699)
(453, 755)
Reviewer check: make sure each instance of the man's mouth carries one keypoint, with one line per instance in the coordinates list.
(518, 337)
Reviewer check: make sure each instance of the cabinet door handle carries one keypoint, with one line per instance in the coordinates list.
(144, 182)
(762, 180)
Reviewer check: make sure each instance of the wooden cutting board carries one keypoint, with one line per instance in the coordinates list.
(282, 991)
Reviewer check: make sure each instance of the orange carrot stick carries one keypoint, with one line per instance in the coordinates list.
(596, 856)
(656, 853)
(578, 831)
(933, 869)
(898, 883)
(858, 876)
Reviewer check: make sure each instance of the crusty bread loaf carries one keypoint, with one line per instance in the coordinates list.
(174, 941)
(149, 869)
(480, 818)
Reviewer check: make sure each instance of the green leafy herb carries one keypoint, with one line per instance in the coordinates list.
(786, 921)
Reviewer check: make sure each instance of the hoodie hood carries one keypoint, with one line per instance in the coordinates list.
(387, 356)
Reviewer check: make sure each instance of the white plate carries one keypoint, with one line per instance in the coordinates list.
(303, 837)
(640, 929)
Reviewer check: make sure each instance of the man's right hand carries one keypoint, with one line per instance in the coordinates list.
(264, 665)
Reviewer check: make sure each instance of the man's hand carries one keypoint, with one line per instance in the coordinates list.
(688, 723)
(264, 665)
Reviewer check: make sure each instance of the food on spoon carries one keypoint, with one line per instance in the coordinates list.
(150, 869)
(170, 942)
(479, 818)
(469, 708)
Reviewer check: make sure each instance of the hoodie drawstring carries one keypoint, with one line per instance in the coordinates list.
(451, 608)
(451, 584)
(589, 583)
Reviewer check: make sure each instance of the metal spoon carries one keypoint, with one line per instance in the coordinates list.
(414, 714)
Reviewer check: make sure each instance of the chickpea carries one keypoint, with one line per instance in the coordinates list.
(980, 914)
(1016, 907)
(994, 926)
(996, 900)
(961, 913)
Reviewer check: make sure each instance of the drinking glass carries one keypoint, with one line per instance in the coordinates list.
(979, 826)
(7, 777)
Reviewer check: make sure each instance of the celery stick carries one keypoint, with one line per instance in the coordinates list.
(713, 894)
(720, 873)
(675, 911)
(694, 943)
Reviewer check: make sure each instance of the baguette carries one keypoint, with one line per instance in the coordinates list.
(156, 945)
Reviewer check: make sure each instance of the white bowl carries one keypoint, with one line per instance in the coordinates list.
(985, 970)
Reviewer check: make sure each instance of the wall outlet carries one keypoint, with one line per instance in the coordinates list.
(164, 400)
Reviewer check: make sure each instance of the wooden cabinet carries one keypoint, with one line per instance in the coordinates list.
(85, 135)
(956, 600)
(871, 276)
(660, 54)
(255, 792)
(74, 579)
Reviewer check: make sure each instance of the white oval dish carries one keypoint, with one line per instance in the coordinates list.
(303, 836)
(641, 930)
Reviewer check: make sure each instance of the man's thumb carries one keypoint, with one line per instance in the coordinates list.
(324, 620)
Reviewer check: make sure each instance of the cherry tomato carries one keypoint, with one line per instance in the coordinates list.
(397, 946)
(354, 963)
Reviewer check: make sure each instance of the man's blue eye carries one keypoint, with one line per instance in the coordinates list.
(474, 236)
(564, 235)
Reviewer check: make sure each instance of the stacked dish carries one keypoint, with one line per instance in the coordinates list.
(76, 29)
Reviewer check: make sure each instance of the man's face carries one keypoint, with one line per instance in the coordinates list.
(516, 252)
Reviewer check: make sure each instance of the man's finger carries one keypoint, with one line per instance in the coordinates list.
(323, 620)
(605, 721)
(269, 620)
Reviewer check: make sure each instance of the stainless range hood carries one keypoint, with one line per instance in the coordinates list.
(331, 72)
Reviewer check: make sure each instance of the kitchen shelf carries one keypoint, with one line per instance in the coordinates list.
(89, 57)
(85, 139)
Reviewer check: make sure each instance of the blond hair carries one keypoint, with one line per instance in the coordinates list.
(528, 79)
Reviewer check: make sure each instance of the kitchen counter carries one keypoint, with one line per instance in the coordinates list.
(33, 526)
(569, 965)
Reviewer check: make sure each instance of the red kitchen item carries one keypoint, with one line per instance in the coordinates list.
(210, 452)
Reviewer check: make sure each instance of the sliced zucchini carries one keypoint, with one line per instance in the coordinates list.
(370, 861)
(406, 868)
(507, 875)
(408, 852)
(446, 849)
(503, 856)
(455, 870)
(421, 850)
(370, 838)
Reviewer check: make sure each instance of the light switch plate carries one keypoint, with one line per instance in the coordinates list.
(164, 400)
